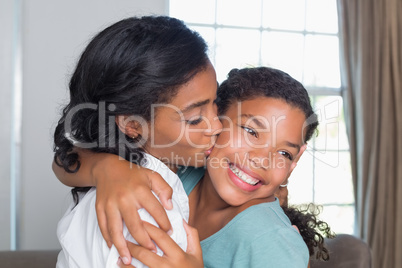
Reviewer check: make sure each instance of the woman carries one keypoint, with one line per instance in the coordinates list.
(119, 93)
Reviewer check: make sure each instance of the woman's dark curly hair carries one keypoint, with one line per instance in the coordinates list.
(250, 83)
(312, 229)
(125, 68)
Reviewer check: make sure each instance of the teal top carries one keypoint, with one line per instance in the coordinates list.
(260, 236)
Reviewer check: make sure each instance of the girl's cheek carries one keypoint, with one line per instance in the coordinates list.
(223, 140)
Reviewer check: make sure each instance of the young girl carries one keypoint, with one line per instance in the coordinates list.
(119, 93)
(267, 120)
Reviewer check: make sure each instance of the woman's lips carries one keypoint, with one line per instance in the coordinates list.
(208, 152)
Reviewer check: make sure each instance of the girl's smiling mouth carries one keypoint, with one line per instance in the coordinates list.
(242, 179)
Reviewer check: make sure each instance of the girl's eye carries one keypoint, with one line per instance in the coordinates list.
(286, 154)
(195, 121)
(250, 131)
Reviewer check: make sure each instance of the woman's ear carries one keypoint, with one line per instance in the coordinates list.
(129, 126)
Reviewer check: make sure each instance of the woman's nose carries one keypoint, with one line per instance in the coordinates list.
(214, 126)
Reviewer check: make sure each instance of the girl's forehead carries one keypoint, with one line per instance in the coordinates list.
(265, 111)
(260, 106)
(272, 115)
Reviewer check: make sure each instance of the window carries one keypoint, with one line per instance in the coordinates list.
(299, 37)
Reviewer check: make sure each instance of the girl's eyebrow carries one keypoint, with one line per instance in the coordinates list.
(254, 119)
(195, 105)
(290, 144)
(261, 124)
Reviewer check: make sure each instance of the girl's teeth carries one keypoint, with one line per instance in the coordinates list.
(243, 176)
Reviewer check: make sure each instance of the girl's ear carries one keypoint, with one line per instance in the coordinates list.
(294, 164)
(302, 149)
(128, 126)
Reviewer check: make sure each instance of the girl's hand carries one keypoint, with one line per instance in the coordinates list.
(173, 256)
(122, 189)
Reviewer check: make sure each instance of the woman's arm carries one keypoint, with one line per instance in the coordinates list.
(90, 163)
(122, 189)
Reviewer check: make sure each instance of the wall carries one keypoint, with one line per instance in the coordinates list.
(54, 34)
(6, 66)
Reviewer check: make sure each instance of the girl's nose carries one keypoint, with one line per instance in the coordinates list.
(261, 157)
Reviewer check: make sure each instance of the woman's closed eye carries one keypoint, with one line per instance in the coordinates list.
(194, 121)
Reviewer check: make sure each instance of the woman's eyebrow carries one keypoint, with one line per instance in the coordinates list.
(254, 119)
(194, 105)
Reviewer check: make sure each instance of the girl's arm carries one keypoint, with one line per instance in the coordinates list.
(122, 189)
(173, 255)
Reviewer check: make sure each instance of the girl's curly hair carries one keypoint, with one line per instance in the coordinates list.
(311, 228)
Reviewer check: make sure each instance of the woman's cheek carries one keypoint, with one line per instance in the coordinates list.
(193, 137)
